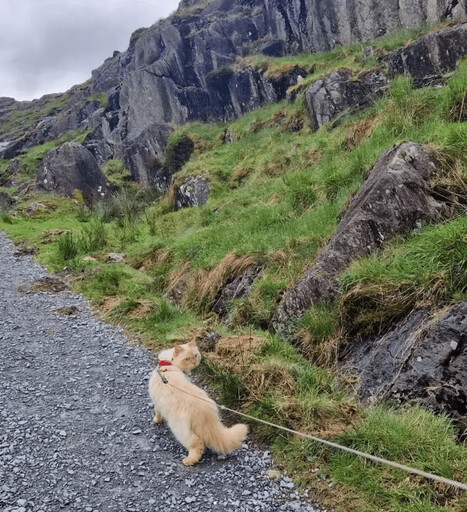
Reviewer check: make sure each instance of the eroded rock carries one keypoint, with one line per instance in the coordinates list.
(72, 167)
(424, 358)
(194, 191)
(239, 288)
(432, 55)
(340, 92)
(394, 198)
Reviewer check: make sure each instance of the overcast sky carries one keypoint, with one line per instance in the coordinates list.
(49, 45)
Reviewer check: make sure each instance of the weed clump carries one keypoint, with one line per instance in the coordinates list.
(67, 247)
(430, 268)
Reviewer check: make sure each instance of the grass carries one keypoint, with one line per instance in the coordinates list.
(428, 269)
(99, 97)
(116, 172)
(278, 193)
(27, 118)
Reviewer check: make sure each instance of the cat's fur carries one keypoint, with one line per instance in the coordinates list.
(194, 422)
(168, 353)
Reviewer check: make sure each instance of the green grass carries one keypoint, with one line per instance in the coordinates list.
(27, 118)
(116, 172)
(429, 268)
(100, 97)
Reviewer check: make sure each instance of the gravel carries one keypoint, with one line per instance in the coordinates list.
(76, 428)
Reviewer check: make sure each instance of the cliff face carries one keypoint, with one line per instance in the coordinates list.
(177, 70)
(182, 68)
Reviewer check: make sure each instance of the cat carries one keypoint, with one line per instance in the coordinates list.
(191, 415)
(191, 359)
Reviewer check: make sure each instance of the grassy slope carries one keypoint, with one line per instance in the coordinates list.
(277, 193)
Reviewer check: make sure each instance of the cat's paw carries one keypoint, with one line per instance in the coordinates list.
(158, 418)
(189, 461)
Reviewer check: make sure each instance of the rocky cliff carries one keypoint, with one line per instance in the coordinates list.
(184, 68)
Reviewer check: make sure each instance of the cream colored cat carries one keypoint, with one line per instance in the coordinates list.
(194, 422)
(168, 355)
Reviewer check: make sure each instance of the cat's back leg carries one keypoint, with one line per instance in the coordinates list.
(195, 451)
(157, 417)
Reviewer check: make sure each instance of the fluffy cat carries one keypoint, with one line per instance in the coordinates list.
(194, 422)
(168, 353)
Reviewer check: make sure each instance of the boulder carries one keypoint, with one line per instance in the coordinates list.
(194, 191)
(340, 92)
(5, 201)
(239, 288)
(72, 167)
(431, 56)
(424, 358)
(395, 197)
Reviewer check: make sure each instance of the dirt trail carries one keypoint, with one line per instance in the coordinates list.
(75, 419)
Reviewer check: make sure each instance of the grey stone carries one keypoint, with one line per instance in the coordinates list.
(182, 68)
(339, 93)
(431, 56)
(239, 288)
(72, 167)
(194, 191)
(395, 197)
(5, 201)
(423, 358)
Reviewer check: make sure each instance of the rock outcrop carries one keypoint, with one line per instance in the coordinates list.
(424, 358)
(194, 191)
(72, 167)
(340, 92)
(36, 122)
(5, 201)
(185, 67)
(394, 198)
(432, 55)
(239, 288)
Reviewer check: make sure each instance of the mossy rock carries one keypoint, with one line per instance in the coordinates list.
(179, 151)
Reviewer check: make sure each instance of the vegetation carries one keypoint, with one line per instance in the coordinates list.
(28, 117)
(116, 172)
(278, 191)
(101, 98)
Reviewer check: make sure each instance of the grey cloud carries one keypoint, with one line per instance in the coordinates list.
(49, 45)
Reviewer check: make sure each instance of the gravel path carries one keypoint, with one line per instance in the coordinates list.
(75, 419)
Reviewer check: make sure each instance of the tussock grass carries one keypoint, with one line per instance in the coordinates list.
(430, 268)
(116, 172)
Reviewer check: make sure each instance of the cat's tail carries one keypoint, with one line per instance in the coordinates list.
(226, 440)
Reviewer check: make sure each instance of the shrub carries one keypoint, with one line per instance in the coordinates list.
(92, 236)
(116, 172)
(128, 203)
(67, 247)
(179, 151)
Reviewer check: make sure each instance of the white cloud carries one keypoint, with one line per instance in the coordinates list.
(49, 45)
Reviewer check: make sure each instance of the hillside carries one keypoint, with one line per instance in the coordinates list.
(313, 241)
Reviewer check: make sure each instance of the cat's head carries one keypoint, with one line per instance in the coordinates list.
(186, 357)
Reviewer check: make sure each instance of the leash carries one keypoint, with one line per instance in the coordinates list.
(374, 458)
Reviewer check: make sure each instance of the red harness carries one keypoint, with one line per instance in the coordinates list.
(162, 364)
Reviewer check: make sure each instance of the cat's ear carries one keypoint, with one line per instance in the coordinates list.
(178, 349)
(192, 343)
